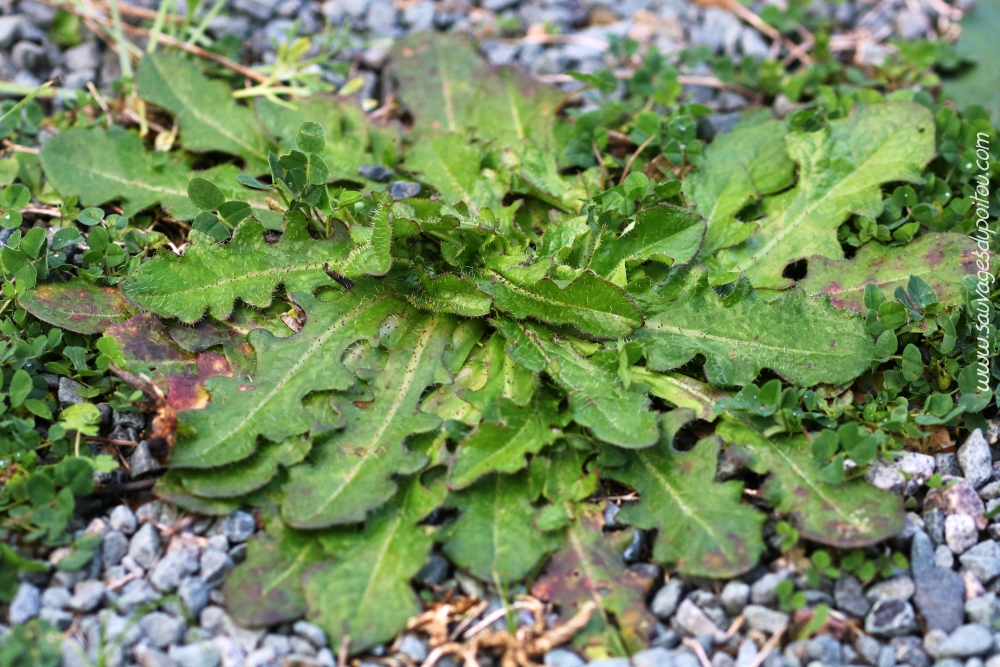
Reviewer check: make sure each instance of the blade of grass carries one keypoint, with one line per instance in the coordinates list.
(199, 31)
(123, 58)
(27, 98)
(154, 33)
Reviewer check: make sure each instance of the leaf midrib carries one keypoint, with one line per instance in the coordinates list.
(408, 377)
(768, 247)
(696, 334)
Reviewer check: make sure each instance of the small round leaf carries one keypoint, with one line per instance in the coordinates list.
(205, 194)
(310, 138)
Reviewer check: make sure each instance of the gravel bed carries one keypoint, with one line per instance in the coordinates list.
(152, 595)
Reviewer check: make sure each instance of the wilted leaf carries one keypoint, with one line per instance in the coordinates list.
(803, 339)
(703, 529)
(437, 77)
(842, 169)
(942, 260)
(353, 472)
(209, 118)
(740, 166)
(365, 592)
(265, 589)
(494, 532)
(210, 276)
(76, 305)
(270, 404)
(852, 514)
(589, 568)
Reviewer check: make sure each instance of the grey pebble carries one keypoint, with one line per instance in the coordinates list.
(162, 629)
(762, 590)
(960, 532)
(984, 560)
(975, 459)
(734, 597)
(87, 595)
(665, 601)
(135, 594)
(113, 547)
(944, 558)
(279, 644)
(56, 597)
(824, 648)
(215, 565)
(313, 633)
(25, 605)
(173, 567)
(67, 392)
(940, 598)
(691, 619)
(850, 596)
(238, 526)
(967, 641)
(747, 653)
(983, 610)
(123, 519)
(147, 656)
(897, 588)
(301, 647)
(193, 593)
(561, 657)
(57, 617)
(202, 654)
(891, 617)
(404, 189)
(413, 647)
(142, 460)
(144, 546)
(375, 172)
(764, 619)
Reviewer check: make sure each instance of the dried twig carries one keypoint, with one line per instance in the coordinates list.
(631, 160)
(699, 651)
(768, 647)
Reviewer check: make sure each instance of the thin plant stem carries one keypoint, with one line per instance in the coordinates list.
(123, 51)
(157, 29)
(199, 31)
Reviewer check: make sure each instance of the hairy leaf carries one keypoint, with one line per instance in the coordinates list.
(852, 514)
(246, 476)
(210, 276)
(100, 165)
(803, 339)
(702, 527)
(265, 589)
(589, 568)
(590, 304)
(665, 233)
(437, 76)
(842, 168)
(740, 166)
(352, 473)
(597, 397)
(494, 532)
(493, 377)
(365, 592)
(503, 446)
(450, 164)
(681, 391)
(270, 405)
(942, 260)
(76, 305)
(209, 118)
